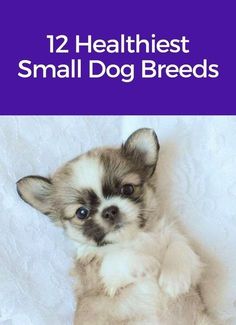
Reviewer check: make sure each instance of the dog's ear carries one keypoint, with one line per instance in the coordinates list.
(36, 191)
(143, 145)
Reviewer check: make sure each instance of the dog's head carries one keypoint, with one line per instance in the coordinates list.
(101, 196)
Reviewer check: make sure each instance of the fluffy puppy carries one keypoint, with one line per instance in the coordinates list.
(133, 265)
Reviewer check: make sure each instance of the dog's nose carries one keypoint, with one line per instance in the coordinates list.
(111, 213)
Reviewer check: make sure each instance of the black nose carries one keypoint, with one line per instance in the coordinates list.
(111, 213)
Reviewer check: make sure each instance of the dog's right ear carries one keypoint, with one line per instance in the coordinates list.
(36, 191)
(143, 145)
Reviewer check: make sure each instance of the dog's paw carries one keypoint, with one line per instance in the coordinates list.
(133, 271)
(174, 283)
(147, 266)
(115, 290)
(118, 270)
(111, 291)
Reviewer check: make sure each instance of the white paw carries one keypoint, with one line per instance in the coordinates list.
(114, 290)
(174, 283)
(120, 270)
(147, 266)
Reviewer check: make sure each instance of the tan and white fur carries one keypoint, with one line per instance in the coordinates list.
(133, 264)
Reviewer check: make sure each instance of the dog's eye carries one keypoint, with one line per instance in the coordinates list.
(82, 213)
(127, 189)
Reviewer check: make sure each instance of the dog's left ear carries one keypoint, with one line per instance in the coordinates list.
(143, 145)
(36, 191)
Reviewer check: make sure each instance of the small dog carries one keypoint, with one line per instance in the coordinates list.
(133, 265)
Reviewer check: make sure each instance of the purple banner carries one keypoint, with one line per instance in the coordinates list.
(157, 57)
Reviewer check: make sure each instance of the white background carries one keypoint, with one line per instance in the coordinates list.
(197, 181)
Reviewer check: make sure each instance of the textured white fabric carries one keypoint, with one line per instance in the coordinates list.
(197, 175)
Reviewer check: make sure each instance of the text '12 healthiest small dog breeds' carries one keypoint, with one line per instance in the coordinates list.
(133, 264)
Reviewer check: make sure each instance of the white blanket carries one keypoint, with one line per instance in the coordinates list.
(197, 174)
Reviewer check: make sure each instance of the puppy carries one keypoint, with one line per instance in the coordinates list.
(133, 264)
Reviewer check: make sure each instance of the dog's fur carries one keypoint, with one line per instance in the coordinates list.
(135, 268)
